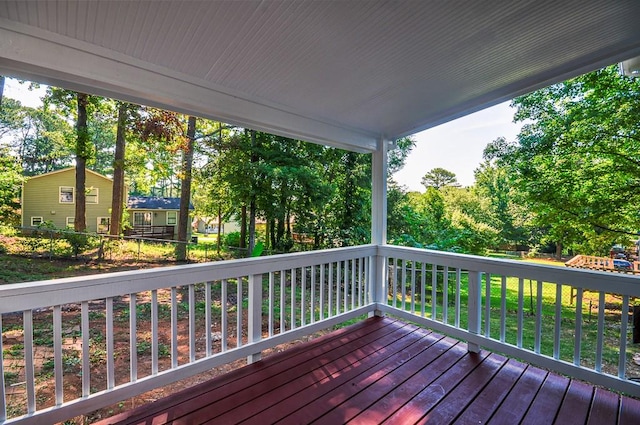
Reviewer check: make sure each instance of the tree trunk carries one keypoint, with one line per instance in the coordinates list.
(559, 250)
(243, 227)
(117, 198)
(185, 191)
(82, 153)
(219, 227)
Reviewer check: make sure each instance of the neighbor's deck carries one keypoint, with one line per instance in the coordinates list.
(382, 370)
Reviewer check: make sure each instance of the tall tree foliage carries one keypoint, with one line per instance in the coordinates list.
(577, 158)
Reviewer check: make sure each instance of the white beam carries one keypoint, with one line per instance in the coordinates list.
(379, 194)
(31, 53)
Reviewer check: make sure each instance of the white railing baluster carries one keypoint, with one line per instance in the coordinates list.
(458, 280)
(423, 284)
(622, 359)
(345, 274)
(413, 287)
(192, 322)
(330, 291)
(487, 305)
(208, 321)
(111, 376)
(224, 301)
(174, 327)
(434, 291)
(360, 283)
(445, 295)
(154, 332)
(394, 282)
(520, 312)
(474, 307)
(293, 299)
(303, 296)
(86, 364)
(57, 353)
(29, 369)
(538, 336)
(503, 308)
(133, 339)
(312, 310)
(353, 284)
(338, 286)
(254, 327)
(322, 289)
(600, 337)
(578, 331)
(558, 323)
(403, 282)
(283, 310)
(239, 323)
(272, 296)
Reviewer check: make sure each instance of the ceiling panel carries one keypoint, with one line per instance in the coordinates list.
(354, 70)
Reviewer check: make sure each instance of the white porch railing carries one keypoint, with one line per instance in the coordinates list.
(157, 324)
(572, 321)
(56, 331)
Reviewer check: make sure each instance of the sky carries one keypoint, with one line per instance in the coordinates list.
(455, 146)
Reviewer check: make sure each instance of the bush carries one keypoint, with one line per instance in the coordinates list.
(232, 239)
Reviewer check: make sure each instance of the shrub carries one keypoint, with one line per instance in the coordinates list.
(232, 239)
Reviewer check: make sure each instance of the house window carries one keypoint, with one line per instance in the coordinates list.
(66, 194)
(142, 219)
(71, 222)
(103, 224)
(172, 218)
(36, 221)
(92, 195)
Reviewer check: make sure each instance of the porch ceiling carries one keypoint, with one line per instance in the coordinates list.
(345, 73)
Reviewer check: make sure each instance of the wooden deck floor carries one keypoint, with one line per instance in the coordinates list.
(387, 371)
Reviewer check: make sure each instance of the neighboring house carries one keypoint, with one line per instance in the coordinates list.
(154, 216)
(210, 225)
(52, 197)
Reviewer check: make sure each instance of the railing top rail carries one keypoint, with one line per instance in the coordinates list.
(618, 283)
(40, 294)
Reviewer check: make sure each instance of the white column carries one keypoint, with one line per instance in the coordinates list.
(378, 220)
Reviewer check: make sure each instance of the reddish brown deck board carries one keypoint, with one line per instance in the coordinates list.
(483, 406)
(516, 404)
(449, 407)
(320, 375)
(576, 404)
(604, 408)
(545, 406)
(382, 369)
(317, 396)
(629, 411)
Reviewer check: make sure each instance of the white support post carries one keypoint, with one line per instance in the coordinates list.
(255, 314)
(379, 220)
(474, 307)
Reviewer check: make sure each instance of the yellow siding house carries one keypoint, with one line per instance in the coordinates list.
(51, 197)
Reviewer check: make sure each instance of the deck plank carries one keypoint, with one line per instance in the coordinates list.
(431, 394)
(545, 406)
(629, 411)
(604, 408)
(576, 404)
(383, 370)
(483, 406)
(515, 405)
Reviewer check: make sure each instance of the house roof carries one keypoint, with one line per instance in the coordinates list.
(72, 169)
(154, 203)
(344, 73)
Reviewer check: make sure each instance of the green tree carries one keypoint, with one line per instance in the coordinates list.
(439, 177)
(10, 183)
(577, 159)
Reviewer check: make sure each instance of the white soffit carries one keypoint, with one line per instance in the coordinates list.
(345, 73)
